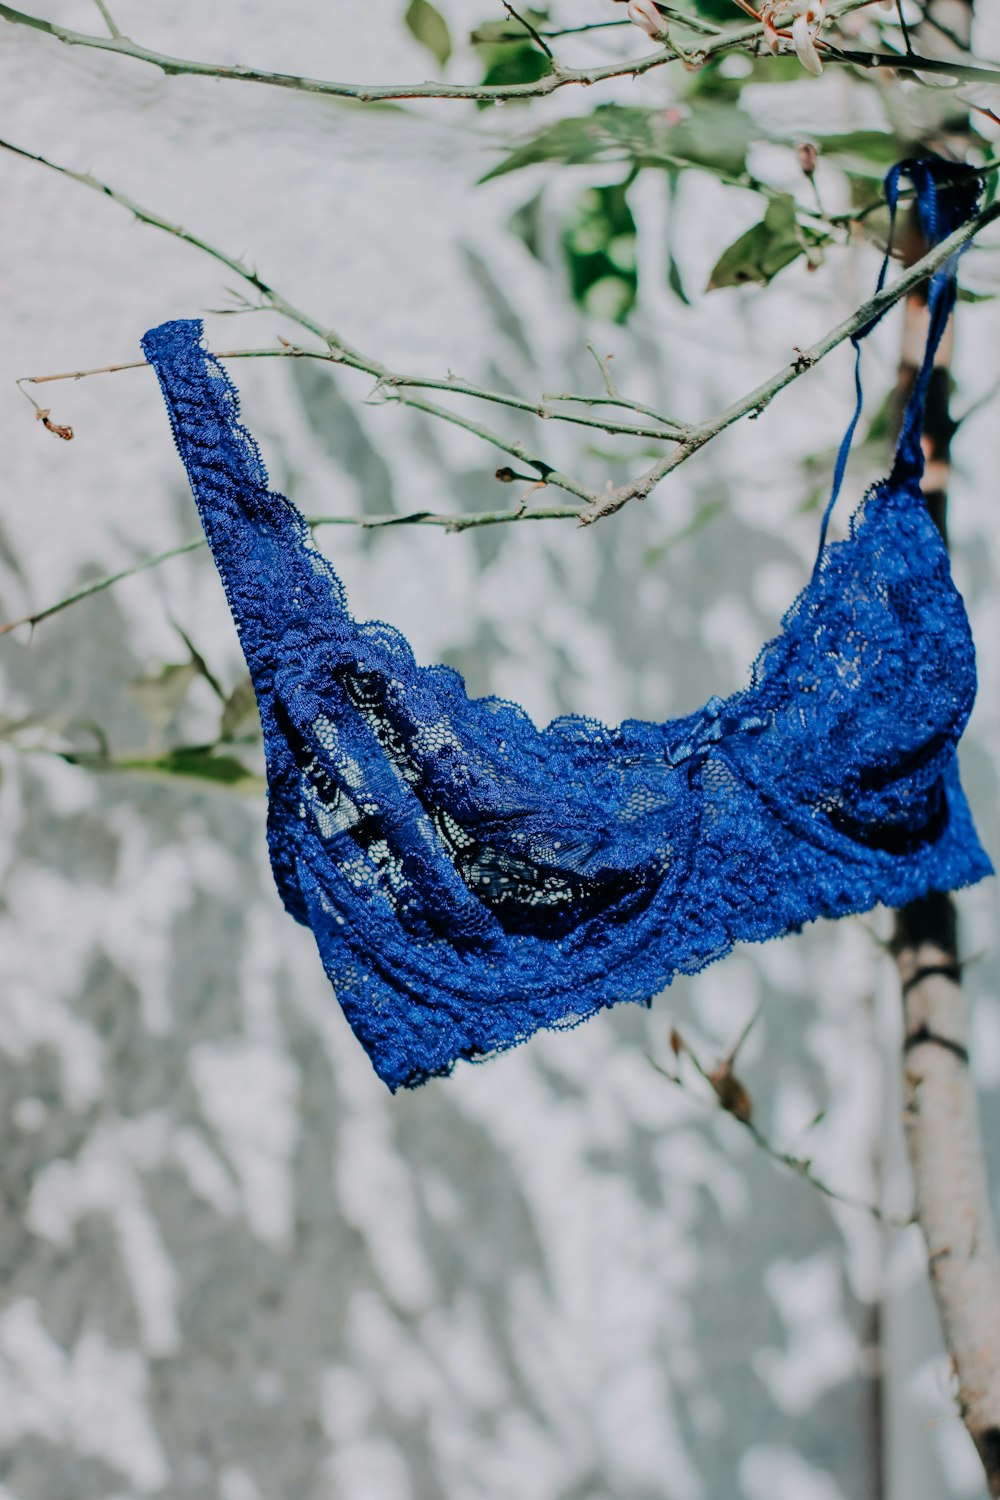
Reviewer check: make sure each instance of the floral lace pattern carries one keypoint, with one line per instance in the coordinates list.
(470, 878)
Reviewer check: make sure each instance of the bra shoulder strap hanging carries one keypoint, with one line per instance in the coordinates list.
(947, 195)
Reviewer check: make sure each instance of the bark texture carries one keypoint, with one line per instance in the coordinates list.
(949, 1176)
(943, 1134)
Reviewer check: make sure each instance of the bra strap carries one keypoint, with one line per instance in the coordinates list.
(947, 195)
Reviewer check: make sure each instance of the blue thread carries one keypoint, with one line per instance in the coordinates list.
(470, 878)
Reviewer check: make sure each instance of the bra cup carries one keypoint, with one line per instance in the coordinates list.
(411, 810)
(872, 679)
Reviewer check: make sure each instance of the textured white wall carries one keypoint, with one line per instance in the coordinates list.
(231, 1265)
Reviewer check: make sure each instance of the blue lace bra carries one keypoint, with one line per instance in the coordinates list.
(470, 878)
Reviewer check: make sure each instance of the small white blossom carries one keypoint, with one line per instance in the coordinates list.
(808, 18)
(804, 30)
(644, 14)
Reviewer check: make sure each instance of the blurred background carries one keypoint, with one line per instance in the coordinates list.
(232, 1266)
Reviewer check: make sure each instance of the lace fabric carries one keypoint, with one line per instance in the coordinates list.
(470, 878)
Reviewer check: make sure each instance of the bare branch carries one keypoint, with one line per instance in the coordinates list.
(743, 38)
(536, 36)
(109, 20)
(756, 400)
(603, 363)
(666, 426)
(665, 429)
(463, 521)
(364, 93)
(341, 351)
(730, 1096)
(596, 504)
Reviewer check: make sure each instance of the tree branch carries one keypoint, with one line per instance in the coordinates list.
(364, 93)
(666, 429)
(943, 1136)
(596, 504)
(731, 1097)
(535, 36)
(109, 19)
(743, 38)
(467, 521)
(756, 400)
(341, 351)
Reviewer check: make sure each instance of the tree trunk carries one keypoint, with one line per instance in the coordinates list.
(943, 1136)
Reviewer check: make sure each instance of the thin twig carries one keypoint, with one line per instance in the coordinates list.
(905, 29)
(44, 415)
(980, 404)
(597, 504)
(627, 403)
(342, 352)
(108, 18)
(693, 22)
(103, 583)
(927, 19)
(556, 33)
(463, 521)
(800, 1165)
(604, 365)
(910, 62)
(756, 400)
(535, 35)
(665, 429)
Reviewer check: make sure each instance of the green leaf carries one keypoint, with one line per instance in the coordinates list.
(710, 135)
(198, 661)
(720, 11)
(160, 695)
(200, 763)
(572, 141)
(429, 27)
(526, 223)
(508, 54)
(239, 713)
(715, 82)
(189, 762)
(599, 243)
(674, 279)
(204, 764)
(515, 64)
(763, 251)
(702, 516)
(865, 153)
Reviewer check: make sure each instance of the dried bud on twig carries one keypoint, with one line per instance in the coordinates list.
(731, 1094)
(44, 416)
(808, 157)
